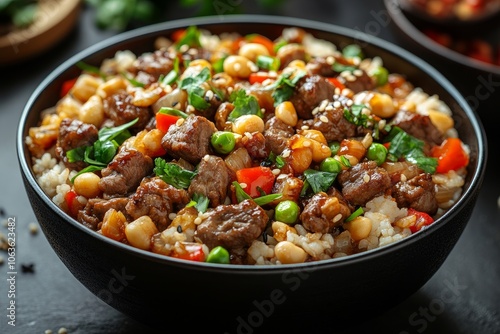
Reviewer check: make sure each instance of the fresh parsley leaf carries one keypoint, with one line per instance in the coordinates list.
(411, 148)
(200, 202)
(192, 85)
(339, 68)
(284, 86)
(319, 180)
(356, 116)
(111, 133)
(173, 174)
(172, 111)
(243, 105)
(76, 154)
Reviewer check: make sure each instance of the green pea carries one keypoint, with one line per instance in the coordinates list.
(223, 141)
(334, 147)
(377, 152)
(330, 165)
(381, 75)
(287, 212)
(352, 50)
(218, 255)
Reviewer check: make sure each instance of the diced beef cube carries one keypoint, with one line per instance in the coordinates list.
(332, 123)
(358, 81)
(288, 186)
(256, 146)
(419, 126)
(191, 140)
(322, 213)
(120, 110)
(148, 67)
(309, 92)
(211, 181)
(95, 209)
(125, 172)
(363, 182)
(418, 193)
(320, 66)
(72, 134)
(289, 52)
(232, 226)
(156, 199)
(277, 133)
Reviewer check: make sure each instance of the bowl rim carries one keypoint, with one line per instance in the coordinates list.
(410, 30)
(476, 177)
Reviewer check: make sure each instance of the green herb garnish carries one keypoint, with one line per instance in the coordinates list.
(284, 86)
(172, 75)
(173, 174)
(243, 105)
(200, 202)
(318, 180)
(192, 85)
(241, 195)
(191, 38)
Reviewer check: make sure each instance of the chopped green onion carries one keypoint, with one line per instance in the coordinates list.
(359, 211)
(268, 63)
(173, 112)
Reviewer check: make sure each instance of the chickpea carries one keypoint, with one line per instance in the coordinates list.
(92, 111)
(287, 253)
(360, 228)
(239, 66)
(281, 229)
(300, 159)
(85, 87)
(87, 185)
(285, 112)
(252, 51)
(113, 225)
(140, 231)
(248, 123)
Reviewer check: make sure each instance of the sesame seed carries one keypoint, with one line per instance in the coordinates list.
(81, 200)
(315, 111)
(357, 72)
(330, 60)
(381, 124)
(179, 121)
(190, 109)
(304, 127)
(336, 94)
(276, 171)
(263, 110)
(192, 52)
(323, 119)
(366, 178)
(286, 153)
(345, 73)
(267, 82)
(243, 185)
(248, 135)
(356, 60)
(307, 143)
(403, 178)
(209, 94)
(229, 90)
(183, 48)
(337, 217)
(172, 215)
(33, 228)
(329, 107)
(337, 104)
(197, 221)
(323, 105)
(206, 157)
(349, 103)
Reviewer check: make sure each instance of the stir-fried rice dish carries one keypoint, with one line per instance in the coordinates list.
(241, 149)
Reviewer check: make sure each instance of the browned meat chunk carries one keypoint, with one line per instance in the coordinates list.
(418, 193)
(149, 66)
(232, 226)
(119, 108)
(363, 182)
(277, 133)
(212, 180)
(191, 140)
(125, 172)
(309, 92)
(288, 186)
(322, 213)
(320, 66)
(156, 199)
(419, 126)
(72, 134)
(221, 116)
(290, 52)
(332, 123)
(256, 145)
(357, 83)
(96, 208)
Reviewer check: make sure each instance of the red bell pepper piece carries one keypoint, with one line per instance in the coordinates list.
(336, 83)
(451, 155)
(164, 121)
(70, 198)
(256, 178)
(423, 219)
(259, 39)
(260, 77)
(191, 251)
(66, 86)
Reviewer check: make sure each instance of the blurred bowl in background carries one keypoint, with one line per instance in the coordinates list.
(53, 21)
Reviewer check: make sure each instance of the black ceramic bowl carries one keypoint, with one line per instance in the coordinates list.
(164, 292)
(465, 72)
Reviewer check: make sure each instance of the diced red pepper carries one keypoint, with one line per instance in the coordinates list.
(178, 34)
(164, 121)
(451, 155)
(191, 251)
(259, 77)
(422, 219)
(70, 198)
(256, 178)
(336, 83)
(67, 85)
